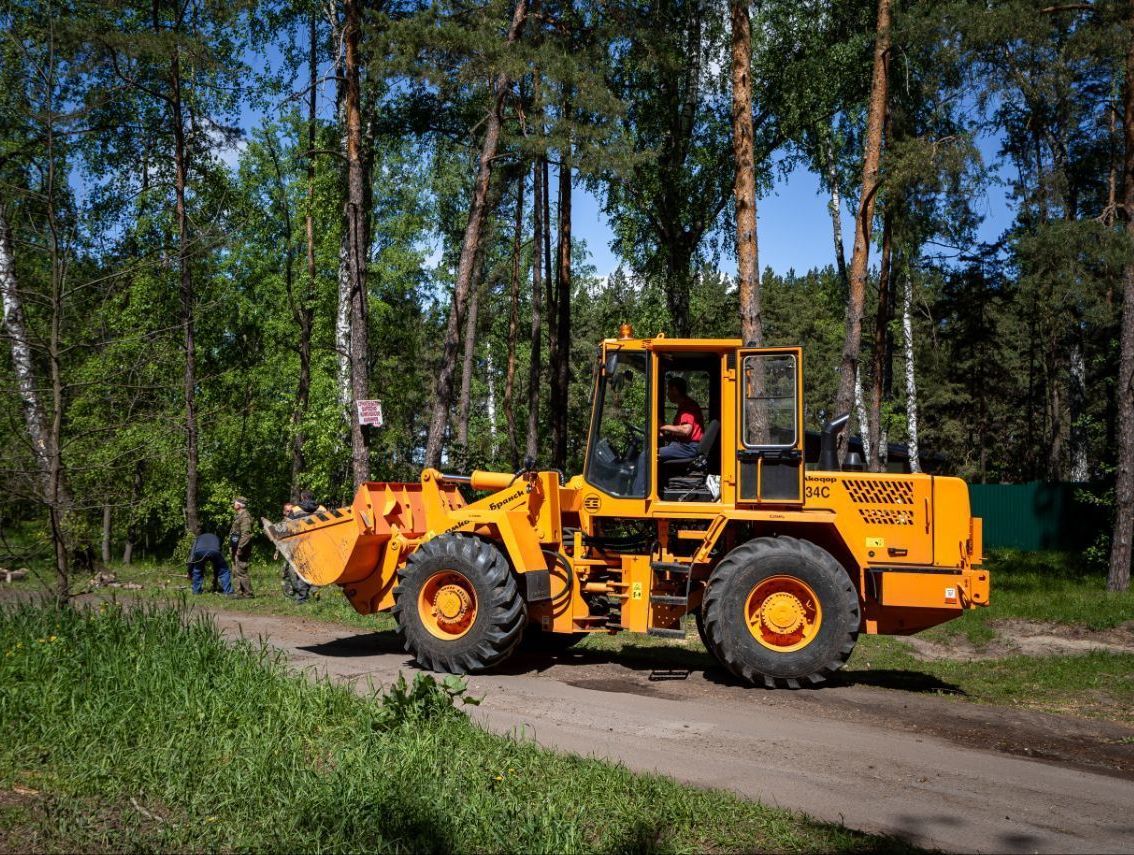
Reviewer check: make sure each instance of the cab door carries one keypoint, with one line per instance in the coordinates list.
(769, 447)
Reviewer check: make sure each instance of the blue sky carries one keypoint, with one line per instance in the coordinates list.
(794, 227)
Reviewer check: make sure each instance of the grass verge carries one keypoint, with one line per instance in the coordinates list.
(142, 729)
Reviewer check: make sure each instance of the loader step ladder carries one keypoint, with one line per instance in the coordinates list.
(671, 568)
(614, 613)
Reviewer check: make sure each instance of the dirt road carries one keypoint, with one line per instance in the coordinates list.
(939, 773)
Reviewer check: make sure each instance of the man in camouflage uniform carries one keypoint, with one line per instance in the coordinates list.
(240, 541)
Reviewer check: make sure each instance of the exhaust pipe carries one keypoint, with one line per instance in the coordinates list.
(828, 455)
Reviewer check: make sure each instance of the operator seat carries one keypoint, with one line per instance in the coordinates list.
(686, 480)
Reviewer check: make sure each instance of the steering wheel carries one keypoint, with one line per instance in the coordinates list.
(636, 442)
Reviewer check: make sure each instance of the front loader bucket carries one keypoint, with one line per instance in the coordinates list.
(346, 545)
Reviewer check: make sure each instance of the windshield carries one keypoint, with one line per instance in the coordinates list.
(616, 463)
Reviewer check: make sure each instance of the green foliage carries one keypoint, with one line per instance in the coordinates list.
(426, 700)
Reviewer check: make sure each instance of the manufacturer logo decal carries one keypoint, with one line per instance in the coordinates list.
(592, 502)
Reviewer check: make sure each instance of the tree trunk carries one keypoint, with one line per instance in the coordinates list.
(1118, 579)
(490, 405)
(744, 182)
(881, 329)
(305, 310)
(342, 303)
(864, 431)
(835, 208)
(561, 379)
(1079, 471)
(552, 313)
(181, 164)
(357, 218)
(514, 325)
(106, 533)
(45, 441)
(131, 521)
(342, 328)
(531, 448)
(548, 279)
(22, 365)
(856, 299)
(443, 391)
(1111, 210)
(465, 403)
(911, 378)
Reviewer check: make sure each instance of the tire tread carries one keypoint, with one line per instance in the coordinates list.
(504, 607)
(758, 550)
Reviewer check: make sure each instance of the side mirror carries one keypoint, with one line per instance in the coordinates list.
(611, 363)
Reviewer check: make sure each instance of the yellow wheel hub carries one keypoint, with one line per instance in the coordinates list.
(447, 605)
(783, 613)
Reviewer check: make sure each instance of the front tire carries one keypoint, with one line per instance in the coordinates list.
(781, 612)
(457, 606)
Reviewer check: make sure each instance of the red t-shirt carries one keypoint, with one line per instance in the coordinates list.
(690, 414)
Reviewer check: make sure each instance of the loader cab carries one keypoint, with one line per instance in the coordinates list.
(751, 451)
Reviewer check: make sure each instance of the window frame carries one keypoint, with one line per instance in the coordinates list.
(743, 398)
(598, 401)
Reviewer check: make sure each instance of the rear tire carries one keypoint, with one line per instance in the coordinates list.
(781, 612)
(457, 606)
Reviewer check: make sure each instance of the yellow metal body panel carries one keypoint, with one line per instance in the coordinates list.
(636, 606)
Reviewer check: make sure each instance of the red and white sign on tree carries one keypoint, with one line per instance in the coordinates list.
(370, 413)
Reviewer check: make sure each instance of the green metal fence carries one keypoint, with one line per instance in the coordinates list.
(1038, 515)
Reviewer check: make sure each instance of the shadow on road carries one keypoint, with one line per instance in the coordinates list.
(364, 644)
(906, 681)
(663, 664)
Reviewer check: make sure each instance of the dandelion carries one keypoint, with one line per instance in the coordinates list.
(53, 638)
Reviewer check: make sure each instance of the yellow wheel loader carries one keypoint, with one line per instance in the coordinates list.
(783, 561)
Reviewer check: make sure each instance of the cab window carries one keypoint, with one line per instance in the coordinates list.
(770, 400)
(616, 462)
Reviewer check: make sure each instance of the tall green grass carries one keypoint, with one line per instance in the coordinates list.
(141, 729)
